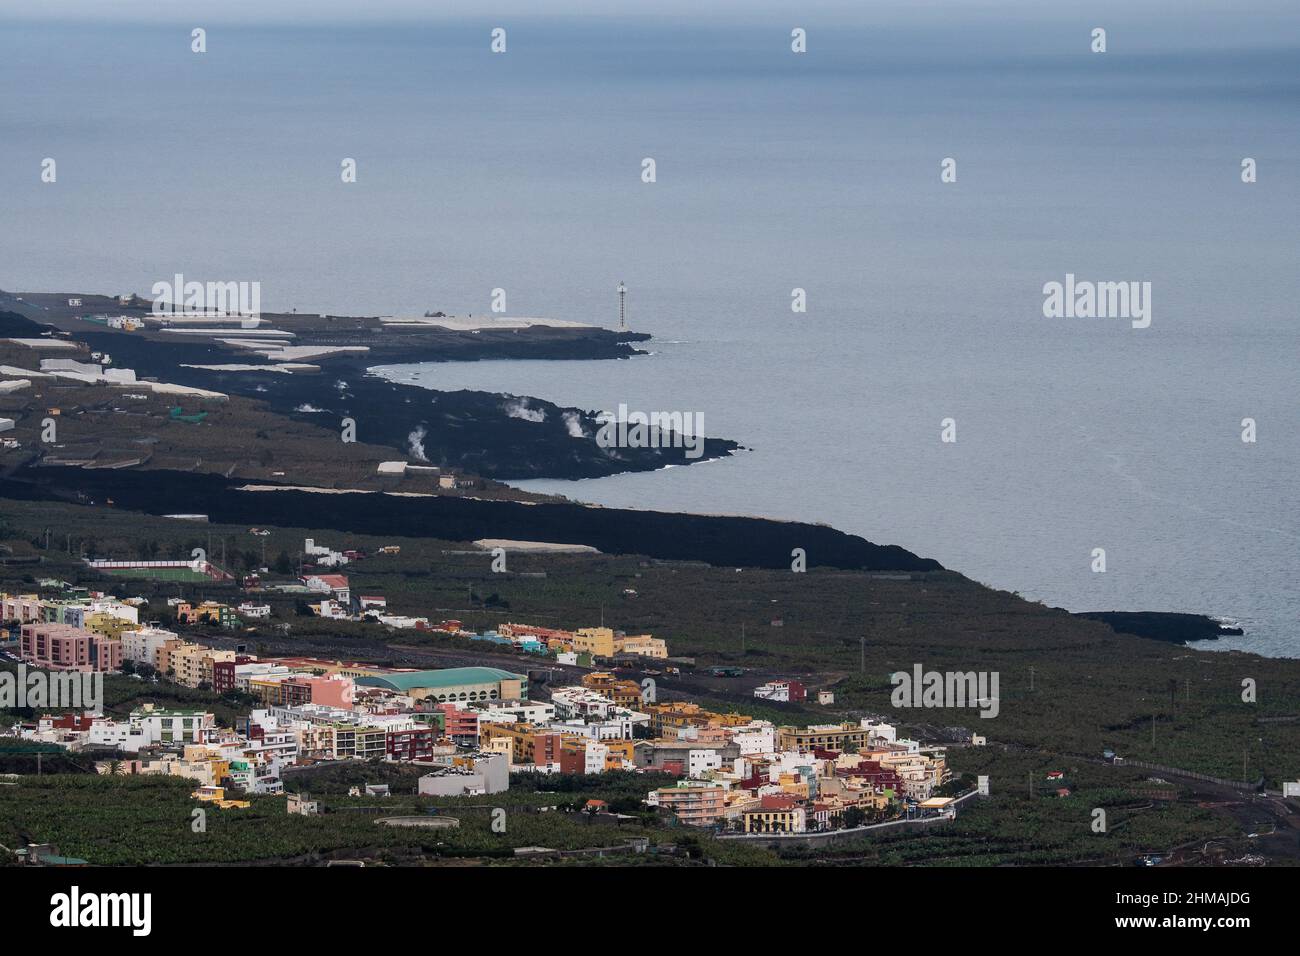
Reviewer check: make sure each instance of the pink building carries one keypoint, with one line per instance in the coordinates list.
(62, 647)
(460, 723)
(333, 690)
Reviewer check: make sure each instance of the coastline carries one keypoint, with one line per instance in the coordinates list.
(512, 436)
(515, 438)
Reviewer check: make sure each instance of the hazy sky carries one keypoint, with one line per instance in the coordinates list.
(1133, 26)
(1255, 15)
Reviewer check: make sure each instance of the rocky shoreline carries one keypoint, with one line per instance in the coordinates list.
(1168, 626)
(495, 435)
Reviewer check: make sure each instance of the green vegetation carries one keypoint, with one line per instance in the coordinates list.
(150, 820)
(183, 575)
(124, 693)
(1067, 685)
(1013, 827)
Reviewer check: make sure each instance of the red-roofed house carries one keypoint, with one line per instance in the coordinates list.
(336, 585)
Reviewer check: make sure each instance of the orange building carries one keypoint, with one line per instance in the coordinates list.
(698, 806)
(668, 719)
(624, 693)
(528, 745)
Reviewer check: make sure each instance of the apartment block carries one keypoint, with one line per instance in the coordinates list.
(64, 647)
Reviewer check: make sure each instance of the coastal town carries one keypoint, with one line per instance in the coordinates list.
(327, 697)
(470, 731)
(359, 368)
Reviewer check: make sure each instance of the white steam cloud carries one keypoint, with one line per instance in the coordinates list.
(520, 409)
(415, 443)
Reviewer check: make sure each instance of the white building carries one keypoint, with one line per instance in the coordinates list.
(514, 711)
(324, 555)
(333, 610)
(76, 614)
(131, 736)
(244, 673)
(699, 762)
(615, 728)
(882, 731)
(142, 646)
(594, 757)
(480, 773)
(580, 703)
(778, 690)
(755, 739)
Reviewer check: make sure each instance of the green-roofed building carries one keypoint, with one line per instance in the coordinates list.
(453, 684)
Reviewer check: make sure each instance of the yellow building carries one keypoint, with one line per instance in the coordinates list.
(217, 795)
(776, 814)
(187, 662)
(106, 625)
(668, 719)
(597, 641)
(794, 784)
(359, 743)
(209, 612)
(841, 792)
(843, 737)
(642, 645)
(738, 802)
(499, 745)
(604, 642)
(192, 663)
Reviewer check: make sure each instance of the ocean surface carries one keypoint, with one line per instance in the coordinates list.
(775, 171)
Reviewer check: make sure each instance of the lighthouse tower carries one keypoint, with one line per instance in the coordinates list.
(622, 315)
